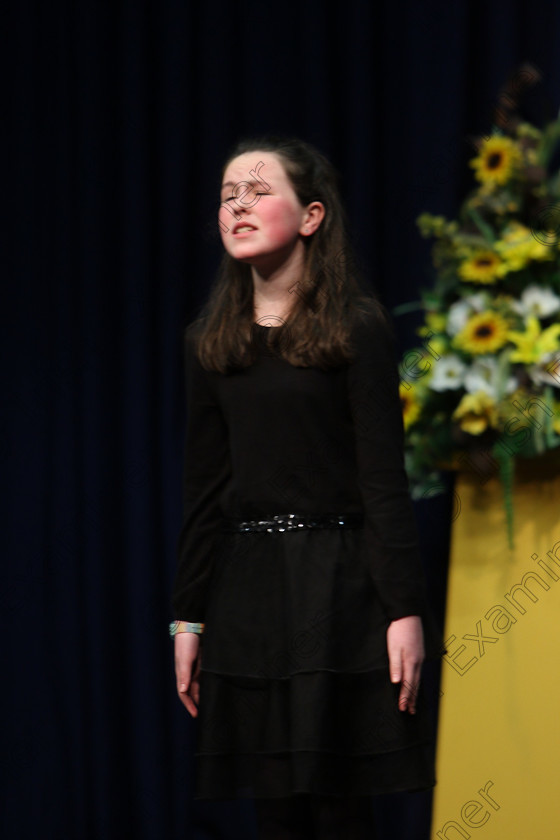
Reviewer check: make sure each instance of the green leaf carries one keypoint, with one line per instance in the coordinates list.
(504, 372)
(411, 306)
(550, 436)
(506, 464)
(550, 139)
(483, 226)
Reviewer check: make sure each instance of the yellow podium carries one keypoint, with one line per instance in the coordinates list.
(498, 752)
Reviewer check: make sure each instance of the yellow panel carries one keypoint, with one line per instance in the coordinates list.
(499, 731)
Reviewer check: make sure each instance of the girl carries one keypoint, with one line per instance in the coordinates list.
(298, 561)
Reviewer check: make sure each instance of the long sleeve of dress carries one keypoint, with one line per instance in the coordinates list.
(206, 468)
(391, 544)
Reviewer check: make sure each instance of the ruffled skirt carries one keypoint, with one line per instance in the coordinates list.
(295, 695)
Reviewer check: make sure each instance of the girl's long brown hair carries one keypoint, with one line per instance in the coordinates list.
(328, 297)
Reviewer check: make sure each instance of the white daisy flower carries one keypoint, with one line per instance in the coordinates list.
(538, 301)
(477, 302)
(547, 370)
(483, 375)
(457, 316)
(460, 311)
(448, 373)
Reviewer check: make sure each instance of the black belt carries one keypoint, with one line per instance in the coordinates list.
(295, 522)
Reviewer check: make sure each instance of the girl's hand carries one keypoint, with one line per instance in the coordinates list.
(405, 646)
(187, 670)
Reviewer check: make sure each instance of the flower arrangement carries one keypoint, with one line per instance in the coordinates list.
(484, 388)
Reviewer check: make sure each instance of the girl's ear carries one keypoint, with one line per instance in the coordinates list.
(314, 215)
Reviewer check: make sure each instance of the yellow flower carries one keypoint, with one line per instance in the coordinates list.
(435, 323)
(410, 404)
(525, 129)
(484, 332)
(436, 346)
(532, 157)
(481, 268)
(534, 343)
(518, 247)
(476, 412)
(498, 158)
(435, 225)
(556, 421)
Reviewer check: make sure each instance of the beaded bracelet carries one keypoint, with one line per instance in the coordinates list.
(185, 627)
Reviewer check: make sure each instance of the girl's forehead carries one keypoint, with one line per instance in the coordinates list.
(249, 164)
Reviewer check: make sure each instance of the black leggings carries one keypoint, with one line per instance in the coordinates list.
(314, 817)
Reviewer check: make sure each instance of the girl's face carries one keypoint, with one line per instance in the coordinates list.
(261, 219)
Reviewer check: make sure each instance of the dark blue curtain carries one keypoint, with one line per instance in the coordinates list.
(117, 117)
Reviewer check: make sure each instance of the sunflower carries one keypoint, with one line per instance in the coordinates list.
(484, 332)
(476, 412)
(498, 159)
(410, 404)
(482, 267)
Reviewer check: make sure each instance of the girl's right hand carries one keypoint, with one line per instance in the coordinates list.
(187, 670)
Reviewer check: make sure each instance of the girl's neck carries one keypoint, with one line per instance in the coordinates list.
(276, 301)
(274, 289)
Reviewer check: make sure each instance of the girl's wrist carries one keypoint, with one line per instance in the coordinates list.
(186, 627)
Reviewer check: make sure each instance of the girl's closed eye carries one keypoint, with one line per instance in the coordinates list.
(233, 197)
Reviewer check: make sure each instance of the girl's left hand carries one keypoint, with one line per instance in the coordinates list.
(405, 646)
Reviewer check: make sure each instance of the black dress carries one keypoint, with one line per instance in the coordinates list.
(295, 695)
